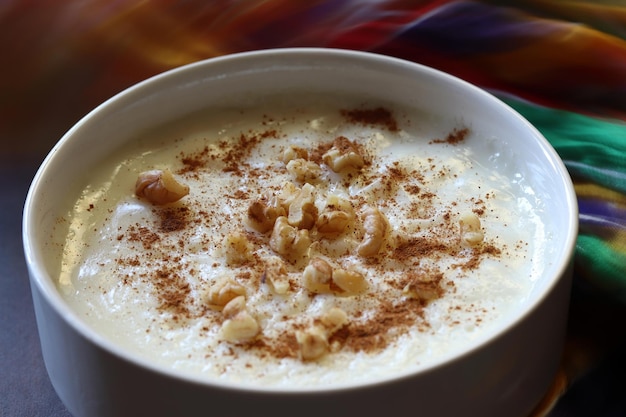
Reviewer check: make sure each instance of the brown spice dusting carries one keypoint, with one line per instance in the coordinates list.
(455, 137)
(375, 334)
(143, 235)
(172, 219)
(315, 154)
(419, 247)
(412, 189)
(379, 116)
(238, 152)
(173, 292)
(195, 161)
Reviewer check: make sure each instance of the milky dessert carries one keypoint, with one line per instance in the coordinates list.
(300, 241)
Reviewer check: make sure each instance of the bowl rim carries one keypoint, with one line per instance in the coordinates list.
(44, 282)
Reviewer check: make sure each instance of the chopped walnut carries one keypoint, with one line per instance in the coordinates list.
(424, 288)
(317, 276)
(375, 226)
(471, 231)
(336, 217)
(302, 210)
(237, 249)
(350, 282)
(276, 275)
(234, 306)
(303, 170)
(240, 328)
(239, 325)
(263, 212)
(288, 241)
(313, 341)
(223, 292)
(294, 152)
(334, 319)
(343, 155)
(288, 192)
(331, 223)
(160, 187)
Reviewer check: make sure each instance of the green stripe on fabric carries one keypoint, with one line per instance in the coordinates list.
(594, 149)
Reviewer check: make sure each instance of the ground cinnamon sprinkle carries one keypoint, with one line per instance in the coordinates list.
(172, 219)
(379, 116)
(420, 247)
(376, 333)
(173, 291)
(455, 137)
(142, 235)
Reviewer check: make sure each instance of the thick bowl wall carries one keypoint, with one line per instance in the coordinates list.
(505, 375)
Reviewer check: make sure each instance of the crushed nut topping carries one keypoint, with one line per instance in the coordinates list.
(343, 155)
(302, 209)
(375, 227)
(317, 276)
(471, 231)
(237, 249)
(276, 275)
(160, 187)
(350, 282)
(314, 341)
(239, 326)
(303, 170)
(288, 241)
(223, 292)
(262, 213)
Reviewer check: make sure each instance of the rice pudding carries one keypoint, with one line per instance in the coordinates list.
(301, 240)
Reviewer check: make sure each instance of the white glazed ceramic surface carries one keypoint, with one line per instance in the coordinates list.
(505, 375)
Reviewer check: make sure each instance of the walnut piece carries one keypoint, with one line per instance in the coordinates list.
(288, 192)
(317, 276)
(334, 319)
(375, 226)
(303, 170)
(302, 210)
(239, 326)
(234, 307)
(222, 292)
(471, 231)
(262, 213)
(237, 249)
(313, 341)
(332, 223)
(288, 241)
(343, 155)
(159, 187)
(350, 282)
(293, 152)
(424, 288)
(276, 275)
(336, 217)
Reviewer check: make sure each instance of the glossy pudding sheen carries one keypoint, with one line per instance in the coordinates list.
(318, 240)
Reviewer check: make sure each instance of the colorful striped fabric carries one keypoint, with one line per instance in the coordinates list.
(560, 63)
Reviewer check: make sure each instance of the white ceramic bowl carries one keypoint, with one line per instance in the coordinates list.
(503, 375)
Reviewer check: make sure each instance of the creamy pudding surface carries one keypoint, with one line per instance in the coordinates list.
(301, 241)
